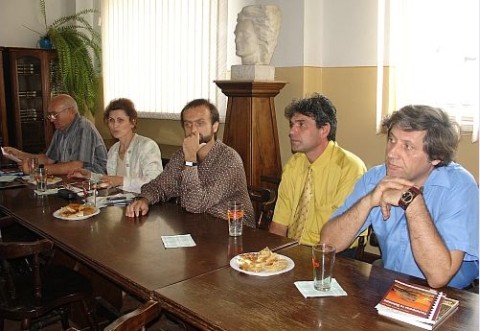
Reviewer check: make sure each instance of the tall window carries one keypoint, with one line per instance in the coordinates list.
(163, 54)
(434, 49)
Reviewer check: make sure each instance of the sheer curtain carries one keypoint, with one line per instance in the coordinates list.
(163, 54)
(433, 48)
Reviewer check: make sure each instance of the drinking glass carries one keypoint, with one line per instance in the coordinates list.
(89, 188)
(41, 178)
(32, 166)
(235, 214)
(323, 259)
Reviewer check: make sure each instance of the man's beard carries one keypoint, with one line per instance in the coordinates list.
(204, 139)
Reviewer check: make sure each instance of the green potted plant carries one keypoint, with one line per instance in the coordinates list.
(77, 45)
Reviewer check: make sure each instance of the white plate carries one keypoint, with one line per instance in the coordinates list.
(56, 214)
(235, 265)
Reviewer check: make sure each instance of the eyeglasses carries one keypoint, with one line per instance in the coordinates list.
(53, 116)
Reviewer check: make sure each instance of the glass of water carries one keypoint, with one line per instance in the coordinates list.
(235, 214)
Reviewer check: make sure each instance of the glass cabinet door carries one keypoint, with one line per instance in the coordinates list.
(30, 100)
(32, 81)
(4, 138)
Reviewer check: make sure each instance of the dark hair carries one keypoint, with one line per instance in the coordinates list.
(442, 134)
(318, 107)
(214, 115)
(125, 105)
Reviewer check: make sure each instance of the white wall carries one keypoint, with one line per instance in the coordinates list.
(320, 33)
(350, 35)
(16, 13)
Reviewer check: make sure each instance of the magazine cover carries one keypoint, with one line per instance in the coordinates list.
(413, 299)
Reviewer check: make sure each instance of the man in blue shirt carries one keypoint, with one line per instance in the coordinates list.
(75, 144)
(422, 206)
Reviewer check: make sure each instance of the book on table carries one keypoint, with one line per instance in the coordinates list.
(417, 305)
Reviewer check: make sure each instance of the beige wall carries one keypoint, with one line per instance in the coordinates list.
(351, 89)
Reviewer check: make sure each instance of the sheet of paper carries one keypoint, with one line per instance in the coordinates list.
(10, 156)
(7, 179)
(183, 240)
(308, 291)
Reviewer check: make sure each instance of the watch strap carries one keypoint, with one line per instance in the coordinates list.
(408, 196)
(190, 164)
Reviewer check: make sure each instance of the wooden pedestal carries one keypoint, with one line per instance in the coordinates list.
(251, 128)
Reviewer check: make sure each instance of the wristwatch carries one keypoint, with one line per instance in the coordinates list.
(190, 164)
(408, 196)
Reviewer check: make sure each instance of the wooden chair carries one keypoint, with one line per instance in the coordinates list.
(360, 251)
(368, 238)
(40, 290)
(134, 320)
(263, 200)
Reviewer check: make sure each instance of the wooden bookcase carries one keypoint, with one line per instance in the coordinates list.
(31, 84)
(3, 105)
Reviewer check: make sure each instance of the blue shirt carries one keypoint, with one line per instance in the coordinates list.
(451, 196)
(81, 141)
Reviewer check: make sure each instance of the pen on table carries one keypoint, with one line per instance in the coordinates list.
(116, 199)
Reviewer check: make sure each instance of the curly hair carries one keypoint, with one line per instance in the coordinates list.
(442, 133)
(318, 107)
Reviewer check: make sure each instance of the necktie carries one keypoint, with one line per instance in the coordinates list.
(296, 228)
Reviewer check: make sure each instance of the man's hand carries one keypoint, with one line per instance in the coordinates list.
(388, 193)
(79, 173)
(15, 152)
(191, 145)
(14, 155)
(137, 208)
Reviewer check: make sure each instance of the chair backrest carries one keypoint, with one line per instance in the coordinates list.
(14, 250)
(263, 200)
(136, 319)
(363, 240)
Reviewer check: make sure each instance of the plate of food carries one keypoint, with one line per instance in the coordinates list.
(262, 263)
(51, 180)
(76, 212)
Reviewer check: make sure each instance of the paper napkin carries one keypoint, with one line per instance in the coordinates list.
(308, 291)
(183, 240)
(7, 178)
(47, 192)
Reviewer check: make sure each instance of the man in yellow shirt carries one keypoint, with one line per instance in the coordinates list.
(318, 177)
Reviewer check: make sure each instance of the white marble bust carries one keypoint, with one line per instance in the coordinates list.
(256, 33)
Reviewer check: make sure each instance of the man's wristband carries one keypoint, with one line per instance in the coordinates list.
(190, 164)
(408, 196)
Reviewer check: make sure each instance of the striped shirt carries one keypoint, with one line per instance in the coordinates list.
(81, 141)
(206, 188)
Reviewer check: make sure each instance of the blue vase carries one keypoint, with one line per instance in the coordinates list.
(45, 43)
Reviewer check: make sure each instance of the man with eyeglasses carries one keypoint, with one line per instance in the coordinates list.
(76, 142)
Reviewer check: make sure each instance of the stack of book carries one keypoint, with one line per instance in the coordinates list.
(417, 305)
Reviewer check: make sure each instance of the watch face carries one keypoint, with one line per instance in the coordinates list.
(407, 197)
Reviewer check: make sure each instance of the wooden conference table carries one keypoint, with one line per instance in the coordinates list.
(131, 252)
(197, 284)
(228, 300)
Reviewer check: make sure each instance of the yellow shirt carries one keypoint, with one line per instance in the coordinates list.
(335, 173)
